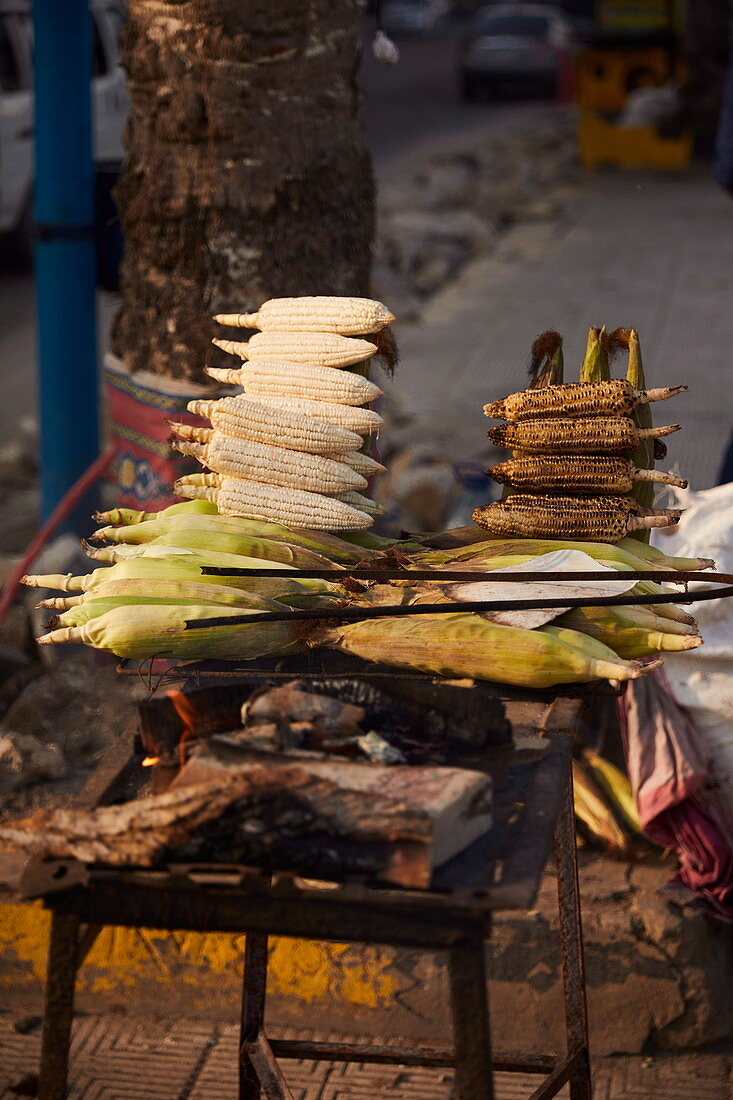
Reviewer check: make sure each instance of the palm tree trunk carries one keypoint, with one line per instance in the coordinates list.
(247, 175)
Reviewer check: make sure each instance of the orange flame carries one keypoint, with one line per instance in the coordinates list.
(149, 761)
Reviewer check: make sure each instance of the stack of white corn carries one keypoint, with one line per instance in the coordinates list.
(288, 448)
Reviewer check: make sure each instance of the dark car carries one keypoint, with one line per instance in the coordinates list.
(513, 46)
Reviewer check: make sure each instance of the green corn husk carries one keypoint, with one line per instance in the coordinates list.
(271, 537)
(162, 631)
(129, 516)
(616, 787)
(184, 568)
(643, 491)
(585, 642)
(630, 642)
(465, 646)
(206, 543)
(595, 366)
(595, 815)
(659, 559)
(107, 597)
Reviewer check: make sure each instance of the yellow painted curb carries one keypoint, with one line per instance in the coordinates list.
(121, 957)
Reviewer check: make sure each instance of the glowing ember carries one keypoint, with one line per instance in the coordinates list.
(150, 760)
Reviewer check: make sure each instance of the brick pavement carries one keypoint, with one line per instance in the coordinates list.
(117, 1058)
(652, 251)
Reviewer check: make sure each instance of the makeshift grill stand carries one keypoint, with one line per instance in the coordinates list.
(499, 871)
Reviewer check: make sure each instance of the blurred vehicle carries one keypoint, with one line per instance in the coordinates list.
(421, 18)
(110, 104)
(513, 46)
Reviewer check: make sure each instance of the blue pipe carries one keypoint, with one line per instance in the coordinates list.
(65, 249)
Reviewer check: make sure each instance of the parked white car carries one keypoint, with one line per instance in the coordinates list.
(110, 105)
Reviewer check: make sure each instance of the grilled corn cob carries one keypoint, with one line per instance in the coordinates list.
(323, 313)
(225, 454)
(600, 519)
(324, 349)
(294, 507)
(608, 435)
(466, 645)
(280, 427)
(613, 398)
(575, 474)
(295, 381)
(167, 631)
(350, 417)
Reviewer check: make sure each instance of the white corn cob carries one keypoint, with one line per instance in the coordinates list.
(225, 454)
(293, 507)
(299, 380)
(322, 348)
(286, 427)
(364, 504)
(363, 421)
(347, 316)
(361, 463)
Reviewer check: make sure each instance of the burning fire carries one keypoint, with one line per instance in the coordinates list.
(149, 761)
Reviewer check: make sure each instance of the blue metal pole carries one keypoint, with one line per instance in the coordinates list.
(65, 250)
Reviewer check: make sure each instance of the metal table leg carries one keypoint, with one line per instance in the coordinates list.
(470, 1011)
(63, 953)
(571, 942)
(253, 1011)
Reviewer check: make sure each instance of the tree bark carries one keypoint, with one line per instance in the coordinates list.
(246, 176)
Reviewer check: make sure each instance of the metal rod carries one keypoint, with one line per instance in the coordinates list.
(474, 1078)
(254, 985)
(471, 575)
(65, 248)
(571, 943)
(269, 1075)
(393, 1055)
(358, 613)
(63, 951)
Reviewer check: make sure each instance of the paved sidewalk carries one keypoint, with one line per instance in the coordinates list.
(650, 251)
(115, 1058)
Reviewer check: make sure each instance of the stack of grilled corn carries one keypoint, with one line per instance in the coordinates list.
(288, 450)
(571, 466)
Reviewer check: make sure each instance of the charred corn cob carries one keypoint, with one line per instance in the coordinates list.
(350, 417)
(296, 381)
(606, 435)
(280, 427)
(323, 313)
(294, 507)
(324, 349)
(466, 645)
(225, 454)
(613, 398)
(167, 631)
(575, 474)
(600, 519)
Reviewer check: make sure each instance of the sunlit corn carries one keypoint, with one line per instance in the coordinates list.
(364, 504)
(268, 422)
(629, 641)
(128, 516)
(323, 313)
(225, 454)
(612, 435)
(616, 787)
(614, 398)
(465, 645)
(297, 381)
(594, 813)
(293, 507)
(166, 631)
(349, 417)
(324, 349)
